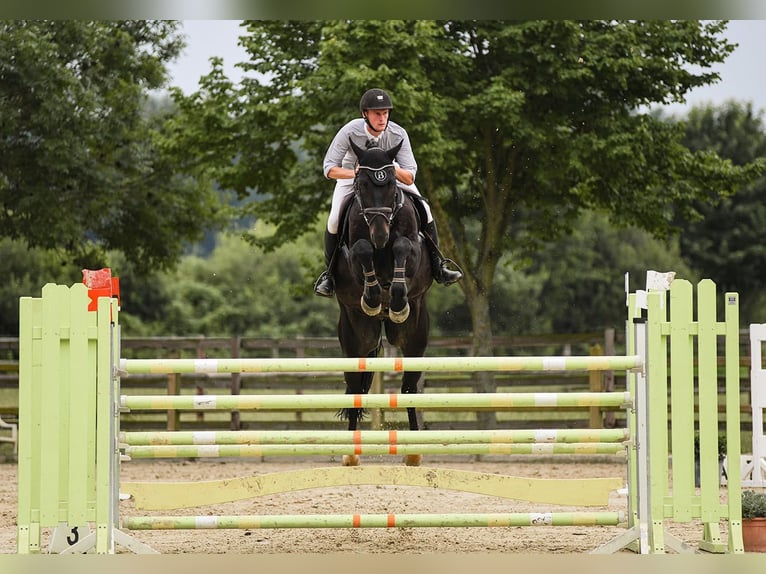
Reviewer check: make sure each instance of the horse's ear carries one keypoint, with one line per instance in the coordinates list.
(357, 150)
(394, 150)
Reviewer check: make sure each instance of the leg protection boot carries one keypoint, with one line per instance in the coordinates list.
(325, 284)
(439, 265)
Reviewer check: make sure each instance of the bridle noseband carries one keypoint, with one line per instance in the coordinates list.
(378, 174)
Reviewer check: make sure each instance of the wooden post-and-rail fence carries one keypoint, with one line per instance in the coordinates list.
(200, 347)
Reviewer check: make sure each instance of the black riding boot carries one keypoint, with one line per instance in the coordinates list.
(325, 285)
(442, 274)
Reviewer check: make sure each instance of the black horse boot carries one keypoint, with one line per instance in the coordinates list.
(441, 272)
(325, 284)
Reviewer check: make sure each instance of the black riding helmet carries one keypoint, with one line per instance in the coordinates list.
(374, 99)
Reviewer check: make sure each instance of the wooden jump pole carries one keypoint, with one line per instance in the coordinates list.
(242, 451)
(375, 520)
(379, 364)
(389, 401)
(392, 437)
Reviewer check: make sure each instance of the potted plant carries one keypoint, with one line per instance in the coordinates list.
(754, 521)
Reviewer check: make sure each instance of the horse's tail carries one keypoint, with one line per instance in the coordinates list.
(366, 379)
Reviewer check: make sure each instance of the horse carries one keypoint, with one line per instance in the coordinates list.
(382, 276)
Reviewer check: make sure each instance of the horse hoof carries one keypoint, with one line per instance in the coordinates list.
(350, 460)
(413, 459)
(371, 311)
(399, 316)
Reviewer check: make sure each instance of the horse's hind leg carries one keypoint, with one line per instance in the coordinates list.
(412, 340)
(357, 342)
(410, 385)
(355, 384)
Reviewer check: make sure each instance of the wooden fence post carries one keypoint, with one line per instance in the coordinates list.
(609, 349)
(596, 385)
(235, 383)
(174, 388)
(300, 351)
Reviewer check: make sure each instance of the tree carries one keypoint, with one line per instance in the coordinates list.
(581, 275)
(517, 127)
(83, 169)
(25, 271)
(236, 290)
(726, 242)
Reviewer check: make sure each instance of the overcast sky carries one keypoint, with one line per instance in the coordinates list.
(742, 76)
(204, 40)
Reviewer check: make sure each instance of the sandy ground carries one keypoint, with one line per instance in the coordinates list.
(363, 500)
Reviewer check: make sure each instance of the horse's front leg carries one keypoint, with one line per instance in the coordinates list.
(399, 306)
(372, 295)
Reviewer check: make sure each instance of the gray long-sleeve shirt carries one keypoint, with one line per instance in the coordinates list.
(340, 154)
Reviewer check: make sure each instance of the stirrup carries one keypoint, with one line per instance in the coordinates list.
(324, 285)
(440, 275)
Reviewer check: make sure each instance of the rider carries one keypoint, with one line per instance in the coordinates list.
(374, 128)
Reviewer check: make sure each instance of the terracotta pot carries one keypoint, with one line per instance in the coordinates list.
(754, 534)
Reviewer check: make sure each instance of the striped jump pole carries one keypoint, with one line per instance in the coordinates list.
(241, 451)
(375, 520)
(380, 364)
(392, 437)
(384, 401)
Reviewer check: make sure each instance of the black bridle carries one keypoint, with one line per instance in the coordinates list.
(379, 174)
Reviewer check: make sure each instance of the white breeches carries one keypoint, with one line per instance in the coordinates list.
(345, 187)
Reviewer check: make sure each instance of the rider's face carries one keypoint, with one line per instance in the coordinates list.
(378, 119)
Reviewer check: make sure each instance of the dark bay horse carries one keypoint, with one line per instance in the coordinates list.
(382, 276)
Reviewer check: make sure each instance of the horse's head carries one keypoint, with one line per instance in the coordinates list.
(376, 191)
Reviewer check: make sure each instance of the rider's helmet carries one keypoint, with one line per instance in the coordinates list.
(375, 99)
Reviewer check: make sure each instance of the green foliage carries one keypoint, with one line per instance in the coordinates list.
(25, 271)
(83, 168)
(721, 444)
(534, 153)
(237, 290)
(582, 274)
(516, 304)
(573, 285)
(505, 116)
(753, 504)
(726, 242)
(518, 127)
